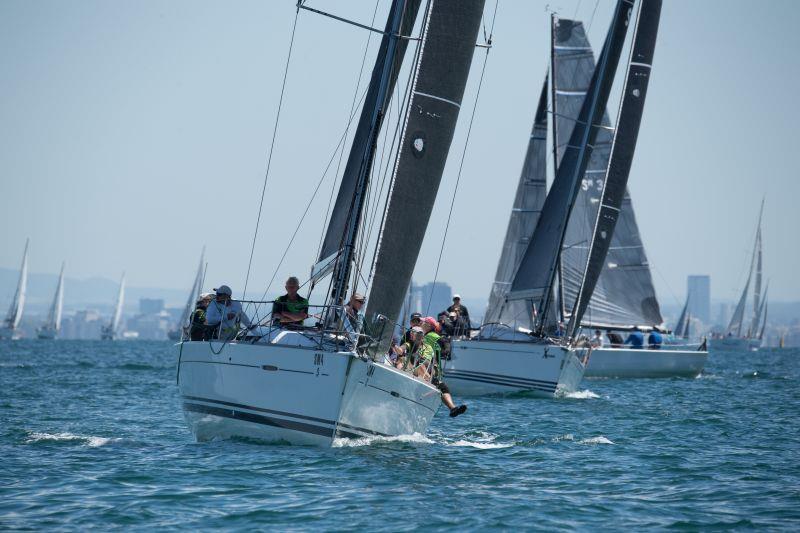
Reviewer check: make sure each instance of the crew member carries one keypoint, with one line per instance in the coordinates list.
(429, 326)
(289, 310)
(225, 314)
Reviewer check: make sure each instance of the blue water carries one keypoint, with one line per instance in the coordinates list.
(91, 435)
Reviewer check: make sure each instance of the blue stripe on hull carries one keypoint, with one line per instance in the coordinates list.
(505, 381)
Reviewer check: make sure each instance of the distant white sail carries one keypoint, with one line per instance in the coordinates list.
(110, 331)
(15, 311)
(194, 294)
(54, 317)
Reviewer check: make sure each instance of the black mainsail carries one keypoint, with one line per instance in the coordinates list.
(536, 273)
(622, 151)
(528, 202)
(392, 49)
(443, 64)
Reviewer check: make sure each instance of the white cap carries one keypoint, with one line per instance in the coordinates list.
(456, 296)
(224, 289)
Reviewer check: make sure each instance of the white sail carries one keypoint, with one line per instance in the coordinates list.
(194, 294)
(110, 331)
(15, 311)
(54, 317)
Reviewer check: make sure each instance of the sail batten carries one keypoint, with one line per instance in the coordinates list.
(440, 78)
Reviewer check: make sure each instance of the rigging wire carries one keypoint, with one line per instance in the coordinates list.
(311, 200)
(271, 150)
(463, 157)
(352, 109)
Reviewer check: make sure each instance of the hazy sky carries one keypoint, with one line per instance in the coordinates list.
(133, 133)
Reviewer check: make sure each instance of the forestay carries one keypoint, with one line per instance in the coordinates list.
(443, 64)
(619, 281)
(536, 273)
(528, 202)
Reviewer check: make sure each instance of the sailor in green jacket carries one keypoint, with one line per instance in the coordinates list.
(290, 310)
(429, 327)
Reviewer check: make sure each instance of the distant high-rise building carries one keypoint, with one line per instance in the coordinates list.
(430, 299)
(699, 291)
(151, 306)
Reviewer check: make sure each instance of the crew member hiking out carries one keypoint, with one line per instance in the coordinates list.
(429, 327)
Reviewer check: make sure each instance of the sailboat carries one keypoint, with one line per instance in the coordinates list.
(313, 384)
(622, 294)
(739, 336)
(9, 329)
(51, 328)
(110, 331)
(519, 347)
(183, 323)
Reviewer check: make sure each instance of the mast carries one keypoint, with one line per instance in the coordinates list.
(531, 192)
(628, 122)
(18, 303)
(534, 278)
(350, 204)
(440, 78)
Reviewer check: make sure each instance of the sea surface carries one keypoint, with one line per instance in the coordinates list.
(92, 436)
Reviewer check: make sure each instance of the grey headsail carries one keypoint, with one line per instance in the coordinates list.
(682, 325)
(441, 75)
(534, 278)
(626, 134)
(337, 226)
(531, 192)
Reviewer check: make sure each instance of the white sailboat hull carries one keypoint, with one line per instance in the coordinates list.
(483, 367)
(643, 363)
(299, 395)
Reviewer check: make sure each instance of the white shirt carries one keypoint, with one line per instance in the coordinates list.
(218, 312)
(597, 341)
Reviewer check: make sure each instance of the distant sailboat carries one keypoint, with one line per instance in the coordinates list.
(736, 337)
(109, 332)
(604, 277)
(516, 348)
(51, 328)
(182, 325)
(10, 326)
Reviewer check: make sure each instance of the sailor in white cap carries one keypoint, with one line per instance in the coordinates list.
(225, 314)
